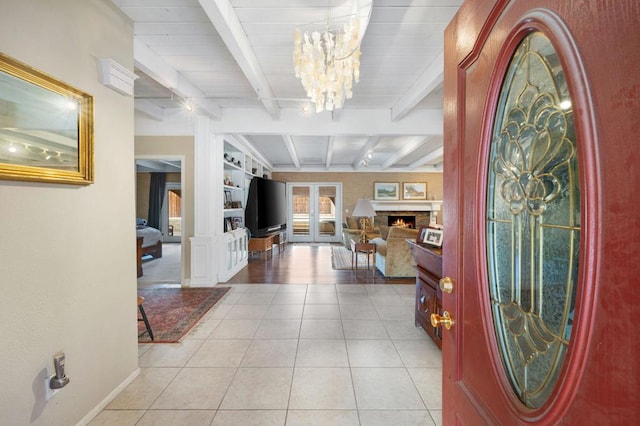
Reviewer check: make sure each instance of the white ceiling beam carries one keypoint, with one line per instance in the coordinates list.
(353, 122)
(227, 24)
(288, 142)
(252, 149)
(431, 78)
(170, 164)
(404, 151)
(155, 67)
(152, 110)
(436, 154)
(331, 142)
(369, 146)
(156, 165)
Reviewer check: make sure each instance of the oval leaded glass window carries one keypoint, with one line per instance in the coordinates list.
(533, 220)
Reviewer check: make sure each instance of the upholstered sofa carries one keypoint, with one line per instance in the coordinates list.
(393, 257)
(351, 231)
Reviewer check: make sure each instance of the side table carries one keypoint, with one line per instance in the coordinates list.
(368, 248)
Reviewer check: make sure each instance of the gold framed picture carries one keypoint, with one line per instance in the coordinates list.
(414, 191)
(46, 127)
(386, 191)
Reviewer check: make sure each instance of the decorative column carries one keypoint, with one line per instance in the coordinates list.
(207, 211)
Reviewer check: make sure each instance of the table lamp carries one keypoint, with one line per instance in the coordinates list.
(364, 210)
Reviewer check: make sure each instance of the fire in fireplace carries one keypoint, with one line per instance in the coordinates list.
(404, 221)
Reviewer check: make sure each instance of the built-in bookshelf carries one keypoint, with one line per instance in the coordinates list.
(239, 167)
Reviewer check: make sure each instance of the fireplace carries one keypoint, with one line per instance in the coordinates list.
(406, 221)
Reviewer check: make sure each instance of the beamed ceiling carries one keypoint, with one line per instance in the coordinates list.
(232, 60)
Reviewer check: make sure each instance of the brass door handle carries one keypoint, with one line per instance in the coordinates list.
(446, 285)
(445, 320)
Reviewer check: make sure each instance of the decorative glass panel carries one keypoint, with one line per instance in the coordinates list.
(301, 210)
(533, 220)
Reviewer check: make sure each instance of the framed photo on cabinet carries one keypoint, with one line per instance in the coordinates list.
(422, 232)
(433, 237)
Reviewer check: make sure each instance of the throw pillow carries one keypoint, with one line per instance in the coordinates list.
(352, 222)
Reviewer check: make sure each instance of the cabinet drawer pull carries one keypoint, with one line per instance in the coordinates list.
(422, 300)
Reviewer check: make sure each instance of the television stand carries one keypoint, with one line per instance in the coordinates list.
(265, 244)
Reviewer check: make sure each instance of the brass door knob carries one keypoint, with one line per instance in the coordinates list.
(445, 320)
(446, 285)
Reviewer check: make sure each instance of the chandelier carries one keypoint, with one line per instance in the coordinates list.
(328, 62)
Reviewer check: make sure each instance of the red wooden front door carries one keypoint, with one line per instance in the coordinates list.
(541, 207)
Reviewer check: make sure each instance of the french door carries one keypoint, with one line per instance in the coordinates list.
(314, 212)
(540, 213)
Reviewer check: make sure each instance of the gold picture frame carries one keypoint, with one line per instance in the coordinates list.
(46, 127)
(414, 190)
(386, 191)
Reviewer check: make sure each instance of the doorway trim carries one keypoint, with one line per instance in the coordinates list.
(183, 240)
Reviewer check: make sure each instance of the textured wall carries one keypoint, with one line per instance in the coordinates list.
(357, 185)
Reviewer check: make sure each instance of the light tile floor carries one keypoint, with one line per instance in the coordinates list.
(291, 355)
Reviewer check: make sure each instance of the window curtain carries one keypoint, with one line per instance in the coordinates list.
(156, 198)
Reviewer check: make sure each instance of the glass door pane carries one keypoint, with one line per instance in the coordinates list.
(301, 212)
(326, 218)
(314, 212)
(533, 221)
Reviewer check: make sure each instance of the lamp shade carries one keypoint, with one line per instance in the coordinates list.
(364, 209)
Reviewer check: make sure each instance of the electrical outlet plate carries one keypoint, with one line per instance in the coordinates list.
(48, 392)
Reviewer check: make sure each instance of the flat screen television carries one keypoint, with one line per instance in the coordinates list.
(266, 210)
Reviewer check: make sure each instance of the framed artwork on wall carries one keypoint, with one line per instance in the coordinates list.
(386, 191)
(414, 191)
(47, 127)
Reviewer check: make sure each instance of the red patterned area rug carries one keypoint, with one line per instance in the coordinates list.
(172, 312)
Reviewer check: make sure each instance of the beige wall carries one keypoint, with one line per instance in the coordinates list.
(67, 253)
(357, 185)
(173, 147)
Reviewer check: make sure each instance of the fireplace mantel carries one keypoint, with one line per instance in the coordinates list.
(407, 205)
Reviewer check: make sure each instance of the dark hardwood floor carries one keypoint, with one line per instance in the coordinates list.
(305, 264)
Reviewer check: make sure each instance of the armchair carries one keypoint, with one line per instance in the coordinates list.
(393, 255)
(351, 231)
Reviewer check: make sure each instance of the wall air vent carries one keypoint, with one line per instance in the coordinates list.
(117, 77)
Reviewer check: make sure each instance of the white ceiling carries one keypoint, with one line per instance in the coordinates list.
(232, 59)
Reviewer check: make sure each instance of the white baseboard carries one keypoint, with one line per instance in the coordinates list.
(98, 408)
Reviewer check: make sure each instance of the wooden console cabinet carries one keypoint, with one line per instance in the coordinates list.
(262, 245)
(265, 244)
(428, 295)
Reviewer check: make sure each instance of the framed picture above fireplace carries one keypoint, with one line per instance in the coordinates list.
(414, 191)
(386, 191)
